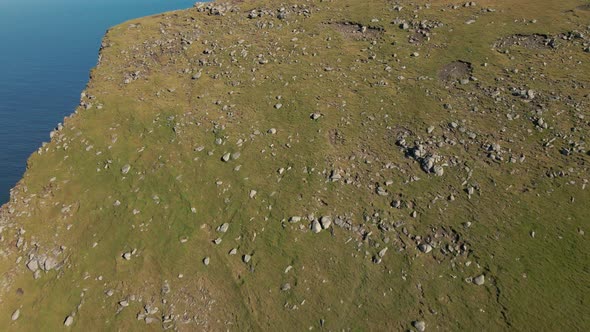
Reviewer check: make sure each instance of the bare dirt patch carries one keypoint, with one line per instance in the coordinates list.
(336, 137)
(417, 38)
(534, 41)
(356, 31)
(456, 70)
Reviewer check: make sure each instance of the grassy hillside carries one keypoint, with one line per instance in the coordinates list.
(336, 165)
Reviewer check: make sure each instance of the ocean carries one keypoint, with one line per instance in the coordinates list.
(47, 48)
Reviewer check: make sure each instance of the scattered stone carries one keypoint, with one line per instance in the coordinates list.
(335, 176)
(150, 320)
(425, 248)
(419, 325)
(479, 280)
(125, 169)
(225, 158)
(206, 261)
(223, 227)
(315, 226)
(438, 170)
(15, 314)
(246, 258)
(33, 265)
(326, 221)
(69, 321)
(49, 264)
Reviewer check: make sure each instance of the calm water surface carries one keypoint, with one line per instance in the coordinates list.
(47, 48)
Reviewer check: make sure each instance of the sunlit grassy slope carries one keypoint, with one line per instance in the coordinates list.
(323, 107)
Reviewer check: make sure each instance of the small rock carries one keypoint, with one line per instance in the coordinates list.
(33, 265)
(16, 314)
(335, 176)
(382, 191)
(419, 325)
(69, 321)
(150, 320)
(225, 157)
(49, 264)
(425, 248)
(206, 261)
(223, 228)
(315, 226)
(479, 280)
(326, 221)
(252, 193)
(438, 170)
(246, 258)
(531, 94)
(125, 169)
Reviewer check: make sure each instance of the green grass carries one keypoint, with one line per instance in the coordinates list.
(160, 119)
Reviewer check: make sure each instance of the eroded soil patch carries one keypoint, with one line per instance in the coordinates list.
(456, 70)
(356, 31)
(534, 41)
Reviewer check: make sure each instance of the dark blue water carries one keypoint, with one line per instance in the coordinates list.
(47, 48)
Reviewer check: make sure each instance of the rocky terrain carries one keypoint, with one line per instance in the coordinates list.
(316, 165)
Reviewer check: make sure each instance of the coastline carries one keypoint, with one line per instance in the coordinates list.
(61, 69)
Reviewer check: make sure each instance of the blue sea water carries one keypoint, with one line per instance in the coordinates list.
(47, 48)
